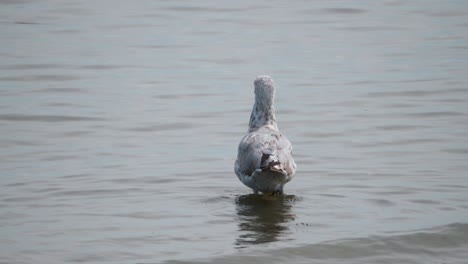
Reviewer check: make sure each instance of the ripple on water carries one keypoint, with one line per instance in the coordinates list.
(381, 202)
(41, 77)
(61, 90)
(162, 127)
(47, 118)
(424, 201)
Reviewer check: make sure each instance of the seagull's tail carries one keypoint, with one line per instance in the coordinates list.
(271, 162)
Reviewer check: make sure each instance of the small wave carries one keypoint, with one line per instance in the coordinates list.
(162, 127)
(445, 244)
(47, 118)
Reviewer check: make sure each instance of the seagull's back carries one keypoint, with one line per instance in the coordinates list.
(264, 161)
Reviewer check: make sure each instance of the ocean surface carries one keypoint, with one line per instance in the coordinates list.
(120, 120)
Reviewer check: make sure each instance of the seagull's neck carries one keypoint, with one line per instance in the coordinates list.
(263, 114)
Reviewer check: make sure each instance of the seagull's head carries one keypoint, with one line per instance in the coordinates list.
(264, 90)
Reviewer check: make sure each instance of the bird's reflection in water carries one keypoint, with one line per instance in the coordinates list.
(263, 218)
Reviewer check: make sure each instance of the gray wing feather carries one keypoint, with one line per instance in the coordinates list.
(254, 145)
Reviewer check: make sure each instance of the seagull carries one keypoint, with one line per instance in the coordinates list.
(264, 160)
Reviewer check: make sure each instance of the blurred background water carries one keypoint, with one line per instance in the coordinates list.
(119, 125)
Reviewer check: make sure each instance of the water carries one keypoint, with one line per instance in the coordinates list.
(119, 125)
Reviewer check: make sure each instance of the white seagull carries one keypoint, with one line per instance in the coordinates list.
(264, 160)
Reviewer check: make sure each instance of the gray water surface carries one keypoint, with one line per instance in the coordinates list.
(119, 125)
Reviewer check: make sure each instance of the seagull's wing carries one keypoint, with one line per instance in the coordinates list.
(257, 149)
(284, 154)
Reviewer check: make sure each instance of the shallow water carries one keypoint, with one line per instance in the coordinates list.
(119, 125)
